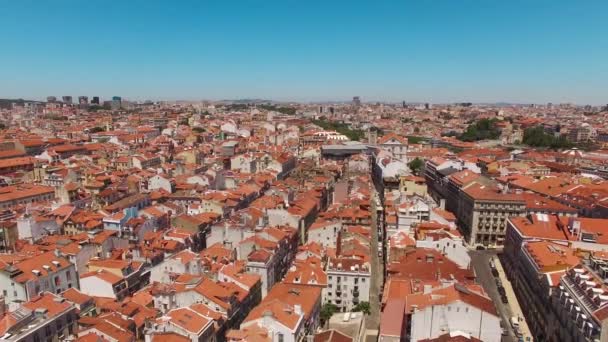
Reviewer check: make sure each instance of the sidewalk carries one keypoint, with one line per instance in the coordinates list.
(513, 303)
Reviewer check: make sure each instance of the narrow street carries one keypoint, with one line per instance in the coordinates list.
(480, 261)
(377, 272)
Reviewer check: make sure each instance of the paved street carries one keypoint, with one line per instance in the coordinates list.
(480, 260)
(513, 302)
(373, 320)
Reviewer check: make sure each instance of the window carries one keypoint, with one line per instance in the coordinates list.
(363, 280)
(281, 337)
(68, 275)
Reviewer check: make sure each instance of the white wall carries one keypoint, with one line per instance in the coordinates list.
(434, 321)
(326, 236)
(348, 280)
(275, 328)
(94, 286)
(160, 272)
(281, 217)
(157, 182)
(453, 250)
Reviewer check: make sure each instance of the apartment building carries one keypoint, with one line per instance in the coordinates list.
(289, 313)
(348, 282)
(581, 302)
(484, 212)
(534, 277)
(24, 194)
(25, 276)
(46, 317)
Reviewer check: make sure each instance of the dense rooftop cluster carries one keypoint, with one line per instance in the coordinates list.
(200, 221)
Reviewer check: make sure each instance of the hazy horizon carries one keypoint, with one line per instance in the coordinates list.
(316, 51)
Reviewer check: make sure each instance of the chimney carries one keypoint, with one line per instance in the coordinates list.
(267, 317)
(297, 308)
(40, 312)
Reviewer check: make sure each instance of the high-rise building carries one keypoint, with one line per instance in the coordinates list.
(116, 102)
(356, 101)
(83, 101)
(67, 99)
(51, 99)
(95, 100)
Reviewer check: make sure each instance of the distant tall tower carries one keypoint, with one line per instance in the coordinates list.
(116, 102)
(67, 99)
(372, 135)
(51, 99)
(357, 101)
(95, 100)
(404, 105)
(83, 101)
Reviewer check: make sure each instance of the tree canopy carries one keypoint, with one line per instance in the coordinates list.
(96, 130)
(481, 130)
(327, 311)
(537, 137)
(362, 307)
(416, 165)
(342, 128)
(284, 110)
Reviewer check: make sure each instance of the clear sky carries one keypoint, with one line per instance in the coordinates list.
(307, 50)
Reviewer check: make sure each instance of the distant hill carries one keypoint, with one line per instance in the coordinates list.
(246, 101)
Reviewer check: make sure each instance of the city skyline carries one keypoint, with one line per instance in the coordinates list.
(436, 52)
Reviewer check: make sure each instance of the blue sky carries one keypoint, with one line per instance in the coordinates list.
(307, 50)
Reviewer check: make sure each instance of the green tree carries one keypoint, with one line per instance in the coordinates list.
(96, 130)
(537, 137)
(342, 128)
(416, 166)
(414, 139)
(327, 311)
(362, 307)
(481, 130)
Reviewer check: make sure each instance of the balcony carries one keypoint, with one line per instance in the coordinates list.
(580, 294)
